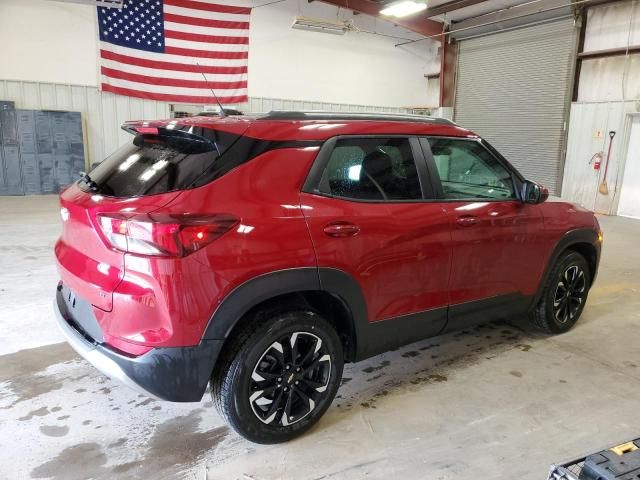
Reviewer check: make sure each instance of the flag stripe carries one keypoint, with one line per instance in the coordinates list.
(215, 47)
(188, 12)
(204, 22)
(209, 7)
(152, 72)
(186, 59)
(198, 92)
(171, 82)
(170, 66)
(194, 37)
(172, 98)
(185, 27)
(189, 52)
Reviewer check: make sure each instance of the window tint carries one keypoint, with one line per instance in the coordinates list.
(151, 164)
(372, 169)
(468, 171)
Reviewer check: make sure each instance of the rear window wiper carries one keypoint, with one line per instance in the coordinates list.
(84, 177)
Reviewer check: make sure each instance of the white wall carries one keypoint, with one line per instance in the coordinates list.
(614, 78)
(611, 26)
(354, 68)
(48, 41)
(589, 126)
(604, 84)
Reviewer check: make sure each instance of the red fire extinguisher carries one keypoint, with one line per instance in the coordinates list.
(596, 160)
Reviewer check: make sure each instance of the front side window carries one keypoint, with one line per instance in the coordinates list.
(468, 171)
(372, 169)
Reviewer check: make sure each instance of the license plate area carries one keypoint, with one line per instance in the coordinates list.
(81, 315)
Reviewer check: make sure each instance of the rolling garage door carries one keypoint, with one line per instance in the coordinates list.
(513, 88)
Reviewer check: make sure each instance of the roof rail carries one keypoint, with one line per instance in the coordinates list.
(375, 116)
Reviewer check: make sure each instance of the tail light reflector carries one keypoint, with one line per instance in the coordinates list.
(163, 235)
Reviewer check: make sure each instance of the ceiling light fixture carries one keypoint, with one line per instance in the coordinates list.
(322, 25)
(403, 8)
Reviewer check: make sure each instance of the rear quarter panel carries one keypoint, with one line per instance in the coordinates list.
(179, 296)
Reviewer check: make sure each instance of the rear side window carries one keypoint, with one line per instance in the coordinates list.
(152, 164)
(469, 171)
(372, 169)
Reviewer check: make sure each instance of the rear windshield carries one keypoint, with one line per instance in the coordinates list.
(164, 162)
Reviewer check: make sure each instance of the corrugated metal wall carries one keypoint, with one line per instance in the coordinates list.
(513, 89)
(610, 26)
(103, 112)
(589, 126)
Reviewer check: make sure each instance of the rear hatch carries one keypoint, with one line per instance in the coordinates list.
(142, 176)
(87, 264)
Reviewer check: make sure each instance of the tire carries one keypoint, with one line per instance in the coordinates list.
(560, 307)
(254, 391)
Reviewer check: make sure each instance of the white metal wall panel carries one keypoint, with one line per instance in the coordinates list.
(513, 88)
(613, 25)
(589, 125)
(103, 112)
(610, 79)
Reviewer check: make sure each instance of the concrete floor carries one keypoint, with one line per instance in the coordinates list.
(494, 402)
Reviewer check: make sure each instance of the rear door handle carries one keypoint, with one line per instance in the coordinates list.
(341, 229)
(467, 220)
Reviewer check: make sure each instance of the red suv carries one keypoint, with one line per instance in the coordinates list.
(260, 253)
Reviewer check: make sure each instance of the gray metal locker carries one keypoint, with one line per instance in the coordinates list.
(11, 153)
(44, 144)
(76, 141)
(4, 105)
(61, 148)
(27, 138)
(41, 151)
(13, 169)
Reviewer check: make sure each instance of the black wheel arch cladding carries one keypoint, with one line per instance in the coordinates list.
(306, 282)
(583, 241)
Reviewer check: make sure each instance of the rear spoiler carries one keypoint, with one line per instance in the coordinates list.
(174, 130)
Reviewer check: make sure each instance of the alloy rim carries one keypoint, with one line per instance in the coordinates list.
(569, 294)
(289, 379)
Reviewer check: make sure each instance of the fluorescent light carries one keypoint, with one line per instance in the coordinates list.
(321, 25)
(404, 8)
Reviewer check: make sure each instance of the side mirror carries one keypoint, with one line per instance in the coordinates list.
(533, 193)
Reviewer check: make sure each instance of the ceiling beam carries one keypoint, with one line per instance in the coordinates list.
(610, 52)
(449, 7)
(514, 12)
(417, 23)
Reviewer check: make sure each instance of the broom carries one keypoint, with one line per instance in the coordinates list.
(604, 188)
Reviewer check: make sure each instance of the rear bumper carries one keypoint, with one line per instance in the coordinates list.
(176, 374)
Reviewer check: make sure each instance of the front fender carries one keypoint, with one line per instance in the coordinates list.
(569, 239)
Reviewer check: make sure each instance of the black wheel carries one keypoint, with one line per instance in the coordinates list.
(564, 295)
(279, 375)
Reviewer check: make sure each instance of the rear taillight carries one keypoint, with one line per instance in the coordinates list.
(161, 235)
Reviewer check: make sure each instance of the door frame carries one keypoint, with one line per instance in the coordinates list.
(622, 164)
(622, 160)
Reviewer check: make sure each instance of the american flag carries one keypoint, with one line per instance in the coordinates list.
(160, 49)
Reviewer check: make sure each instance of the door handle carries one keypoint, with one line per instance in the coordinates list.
(341, 229)
(467, 220)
